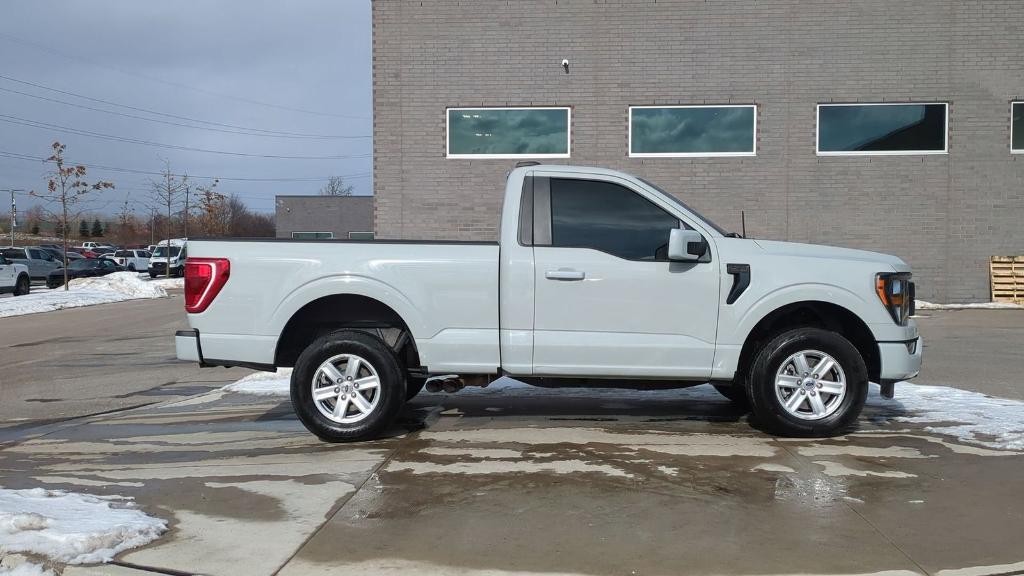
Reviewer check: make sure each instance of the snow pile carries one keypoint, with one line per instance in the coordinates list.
(165, 283)
(72, 528)
(23, 568)
(115, 287)
(968, 416)
(263, 383)
(925, 305)
(126, 283)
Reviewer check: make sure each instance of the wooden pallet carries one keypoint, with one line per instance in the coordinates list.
(1007, 274)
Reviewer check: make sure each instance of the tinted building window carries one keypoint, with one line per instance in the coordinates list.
(610, 218)
(1017, 127)
(508, 132)
(881, 128)
(692, 130)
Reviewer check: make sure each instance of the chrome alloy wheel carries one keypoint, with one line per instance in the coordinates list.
(346, 388)
(810, 385)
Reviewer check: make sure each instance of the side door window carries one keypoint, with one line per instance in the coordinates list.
(608, 217)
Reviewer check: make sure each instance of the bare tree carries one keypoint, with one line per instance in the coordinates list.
(167, 192)
(66, 188)
(336, 186)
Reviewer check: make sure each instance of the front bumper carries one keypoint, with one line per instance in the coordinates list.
(899, 361)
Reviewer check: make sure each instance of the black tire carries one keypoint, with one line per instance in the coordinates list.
(766, 405)
(22, 286)
(378, 355)
(413, 386)
(735, 393)
(131, 267)
(152, 274)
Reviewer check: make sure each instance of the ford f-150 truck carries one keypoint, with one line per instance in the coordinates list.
(600, 278)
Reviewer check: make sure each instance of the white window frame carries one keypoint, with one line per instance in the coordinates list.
(817, 131)
(361, 232)
(629, 134)
(448, 132)
(1012, 149)
(312, 232)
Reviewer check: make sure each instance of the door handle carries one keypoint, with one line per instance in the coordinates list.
(565, 274)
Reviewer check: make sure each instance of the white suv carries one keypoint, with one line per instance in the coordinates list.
(13, 277)
(132, 260)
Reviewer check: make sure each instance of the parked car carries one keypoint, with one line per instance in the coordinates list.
(133, 260)
(164, 256)
(14, 277)
(84, 268)
(58, 254)
(93, 245)
(40, 262)
(598, 276)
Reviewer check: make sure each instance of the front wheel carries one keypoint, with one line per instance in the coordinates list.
(22, 287)
(347, 386)
(807, 382)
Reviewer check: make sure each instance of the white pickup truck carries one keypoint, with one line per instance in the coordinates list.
(599, 278)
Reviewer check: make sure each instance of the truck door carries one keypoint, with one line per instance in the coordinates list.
(608, 301)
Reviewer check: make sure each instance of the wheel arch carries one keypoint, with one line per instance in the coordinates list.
(812, 313)
(345, 310)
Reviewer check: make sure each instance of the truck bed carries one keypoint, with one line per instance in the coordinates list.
(446, 291)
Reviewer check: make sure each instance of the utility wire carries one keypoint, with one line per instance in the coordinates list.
(28, 157)
(163, 114)
(15, 39)
(100, 135)
(244, 132)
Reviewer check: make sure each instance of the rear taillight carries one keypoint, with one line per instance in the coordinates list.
(204, 277)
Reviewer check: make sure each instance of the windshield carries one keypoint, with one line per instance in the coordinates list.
(685, 206)
(161, 252)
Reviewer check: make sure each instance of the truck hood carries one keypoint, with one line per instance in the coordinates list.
(831, 252)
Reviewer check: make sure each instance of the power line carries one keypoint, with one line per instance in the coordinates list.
(156, 113)
(177, 84)
(244, 132)
(28, 157)
(68, 130)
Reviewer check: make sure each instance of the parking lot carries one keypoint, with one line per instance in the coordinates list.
(511, 480)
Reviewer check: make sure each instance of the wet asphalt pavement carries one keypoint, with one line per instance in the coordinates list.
(541, 483)
(551, 481)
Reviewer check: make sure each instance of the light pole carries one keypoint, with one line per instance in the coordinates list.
(14, 211)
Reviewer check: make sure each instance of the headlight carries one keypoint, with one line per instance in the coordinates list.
(896, 292)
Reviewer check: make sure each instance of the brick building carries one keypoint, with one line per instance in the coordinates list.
(324, 217)
(719, 103)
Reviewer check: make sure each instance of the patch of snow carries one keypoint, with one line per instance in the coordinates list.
(162, 282)
(23, 568)
(70, 527)
(263, 383)
(116, 287)
(925, 305)
(970, 417)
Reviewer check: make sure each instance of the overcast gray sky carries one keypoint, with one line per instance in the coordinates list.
(246, 70)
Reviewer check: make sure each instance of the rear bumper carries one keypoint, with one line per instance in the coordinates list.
(188, 347)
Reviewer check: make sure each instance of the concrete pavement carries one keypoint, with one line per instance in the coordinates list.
(564, 483)
(81, 361)
(561, 481)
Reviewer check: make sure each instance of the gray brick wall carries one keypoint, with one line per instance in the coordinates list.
(338, 214)
(944, 214)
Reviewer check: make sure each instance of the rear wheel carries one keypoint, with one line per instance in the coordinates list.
(347, 386)
(22, 286)
(152, 274)
(807, 382)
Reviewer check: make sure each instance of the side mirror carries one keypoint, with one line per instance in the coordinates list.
(686, 245)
